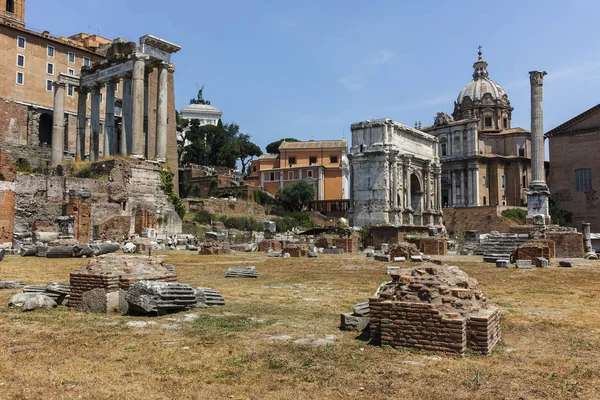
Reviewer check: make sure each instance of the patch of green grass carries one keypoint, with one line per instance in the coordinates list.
(230, 323)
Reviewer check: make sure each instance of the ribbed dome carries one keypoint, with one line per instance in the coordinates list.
(481, 84)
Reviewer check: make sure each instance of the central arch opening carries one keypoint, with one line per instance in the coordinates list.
(416, 194)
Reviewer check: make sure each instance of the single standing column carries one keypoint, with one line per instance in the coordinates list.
(109, 119)
(95, 115)
(463, 199)
(536, 79)
(137, 109)
(146, 103)
(476, 186)
(81, 122)
(394, 184)
(453, 178)
(125, 144)
(470, 187)
(439, 188)
(58, 123)
(161, 112)
(400, 174)
(587, 238)
(408, 188)
(427, 176)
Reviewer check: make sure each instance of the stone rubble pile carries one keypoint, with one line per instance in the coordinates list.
(212, 247)
(403, 249)
(31, 301)
(57, 291)
(436, 308)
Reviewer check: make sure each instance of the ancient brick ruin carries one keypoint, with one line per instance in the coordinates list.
(533, 249)
(435, 308)
(403, 249)
(348, 244)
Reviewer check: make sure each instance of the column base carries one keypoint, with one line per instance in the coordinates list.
(161, 160)
(538, 204)
(138, 156)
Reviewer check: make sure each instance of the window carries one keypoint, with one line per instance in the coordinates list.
(312, 160)
(70, 90)
(20, 61)
(71, 71)
(483, 177)
(309, 173)
(50, 69)
(505, 122)
(484, 201)
(444, 150)
(50, 51)
(20, 78)
(49, 85)
(290, 175)
(72, 57)
(272, 176)
(583, 180)
(522, 151)
(292, 160)
(101, 98)
(488, 122)
(524, 181)
(333, 159)
(503, 182)
(254, 168)
(10, 6)
(503, 200)
(86, 61)
(21, 42)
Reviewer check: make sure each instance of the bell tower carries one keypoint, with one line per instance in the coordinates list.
(12, 12)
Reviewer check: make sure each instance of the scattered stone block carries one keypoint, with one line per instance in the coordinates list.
(416, 258)
(399, 259)
(207, 297)
(591, 256)
(100, 300)
(243, 272)
(404, 249)
(159, 298)
(565, 264)
(389, 269)
(286, 255)
(41, 251)
(541, 262)
(83, 250)
(333, 251)
(105, 248)
(251, 247)
(369, 251)
(59, 252)
(11, 284)
(37, 302)
(502, 263)
(129, 248)
(169, 267)
(312, 254)
(425, 257)
(274, 254)
(385, 248)
(382, 257)
(351, 322)
(28, 251)
(361, 309)
(524, 264)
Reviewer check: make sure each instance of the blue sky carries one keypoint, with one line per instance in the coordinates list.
(308, 69)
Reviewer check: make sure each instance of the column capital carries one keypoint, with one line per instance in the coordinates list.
(82, 89)
(57, 84)
(137, 56)
(537, 77)
(98, 85)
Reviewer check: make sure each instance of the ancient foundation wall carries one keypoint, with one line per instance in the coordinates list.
(434, 246)
(568, 244)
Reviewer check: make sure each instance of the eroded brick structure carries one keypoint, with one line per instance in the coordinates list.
(533, 249)
(435, 308)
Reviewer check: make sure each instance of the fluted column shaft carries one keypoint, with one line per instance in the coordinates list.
(95, 115)
(536, 79)
(162, 112)
(58, 123)
(137, 107)
(109, 119)
(81, 122)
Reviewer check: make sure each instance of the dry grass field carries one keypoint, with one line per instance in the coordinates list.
(264, 343)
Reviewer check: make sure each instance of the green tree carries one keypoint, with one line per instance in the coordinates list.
(247, 151)
(295, 196)
(182, 124)
(273, 147)
(198, 150)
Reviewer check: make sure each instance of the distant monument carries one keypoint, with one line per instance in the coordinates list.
(200, 99)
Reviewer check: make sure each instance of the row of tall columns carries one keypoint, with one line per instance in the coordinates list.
(125, 143)
(137, 106)
(469, 187)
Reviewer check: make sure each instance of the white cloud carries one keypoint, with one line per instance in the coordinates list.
(350, 83)
(383, 57)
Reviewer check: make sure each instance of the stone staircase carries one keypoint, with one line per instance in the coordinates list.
(497, 246)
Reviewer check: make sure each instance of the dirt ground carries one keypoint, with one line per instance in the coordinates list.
(277, 337)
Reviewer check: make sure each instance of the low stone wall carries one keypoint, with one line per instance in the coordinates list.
(350, 245)
(274, 245)
(567, 244)
(533, 249)
(434, 246)
(296, 250)
(483, 330)
(211, 247)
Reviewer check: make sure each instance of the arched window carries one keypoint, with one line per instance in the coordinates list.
(10, 6)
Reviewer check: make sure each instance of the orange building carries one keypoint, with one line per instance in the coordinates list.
(323, 163)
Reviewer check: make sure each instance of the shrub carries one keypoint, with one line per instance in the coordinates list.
(23, 166)
(166, 184)
(516, 214)
(204, 217)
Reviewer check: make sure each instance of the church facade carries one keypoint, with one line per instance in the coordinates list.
(485, 161)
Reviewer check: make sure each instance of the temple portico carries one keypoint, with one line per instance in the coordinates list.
(129, 65)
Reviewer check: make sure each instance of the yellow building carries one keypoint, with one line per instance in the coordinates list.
(323, 163)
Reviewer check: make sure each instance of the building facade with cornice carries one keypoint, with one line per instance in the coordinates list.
(485, 161)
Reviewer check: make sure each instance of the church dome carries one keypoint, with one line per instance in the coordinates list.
(481, 85)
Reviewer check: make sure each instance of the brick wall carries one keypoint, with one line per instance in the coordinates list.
(144, 218)
(350, 245)
(7, 215)
(533, 249)
(81, 209)
(567, 244)
(434, 246)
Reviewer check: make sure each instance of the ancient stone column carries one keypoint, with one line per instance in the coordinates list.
(400, 186)
(470, 187)
(125, 144)
(109, 119)
(95, 115)
(537, 129)
(427, 179)
(162, 112)
(58, 123)
(453, 186)
(82, 94)
(146, 104)
(463, 197)
(137, 109)
(439, 188)
(476, 186)
(587, 238)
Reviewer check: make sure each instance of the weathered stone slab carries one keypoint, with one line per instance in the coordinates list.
(503, 263)
(351, 322)
(416, 258)
(275, 254)
(541, 262)
(105, 248)
(243, 272)
(129, 248)
(565, 264)
(361, 309)
(385, 248)
(524, 264)
(207, 297)
(398, 259)
(59, 252)
(382, 257)
(333, 251)
(10, 284)
(37, 302)
(83, 250)
(28, 251)
(312, 254)
(158, 298)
